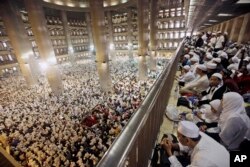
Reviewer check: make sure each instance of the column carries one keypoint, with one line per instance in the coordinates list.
(236, 28)
(153, 32)
(244, 28)
(226, 26)
(44, 44)
(111, 35)
(19, 40)
(130, 34)
(97, 19)
(142, 37)
(91, 43)
(68, 37)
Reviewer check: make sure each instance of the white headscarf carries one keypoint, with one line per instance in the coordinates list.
(233, 106)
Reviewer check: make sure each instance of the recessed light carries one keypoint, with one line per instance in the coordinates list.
(224, 14)
(243, 2)
(207, 24)
(213, 21)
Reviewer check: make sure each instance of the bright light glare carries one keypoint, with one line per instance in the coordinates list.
(91, 47)
(43, 66)
(111, 46)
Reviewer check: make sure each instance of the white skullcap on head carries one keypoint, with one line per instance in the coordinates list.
(213, 33)
(192, 53)
(218, 32)
(209, 32)
(232, 67)
(216, 104)
(224, 55)
(247, 59)
(235, 60)
(209, 55)
(187, 56)
(195, 59)
(219, 52)
(218, 75)
(210, 65)
(186, 67)
(202, 67)
(226, 33)
(217, 60)
(188, 129)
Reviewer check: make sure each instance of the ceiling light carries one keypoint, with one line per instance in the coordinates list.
(213, 21)
(224, 14)
(207, 24)
(242, 1)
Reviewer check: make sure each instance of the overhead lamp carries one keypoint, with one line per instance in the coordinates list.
(207, 24)
(213, 21)
(243, 2)
(224, 14)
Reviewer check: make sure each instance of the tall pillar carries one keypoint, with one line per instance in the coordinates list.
(226, 26)
(111, 35)
(236, 28)
(102, 62)
(68, 38)
(19, 40)
(91, 43)
(44, 44)
(142, 37)
(244, 28)
(153, 32)
(130, 34)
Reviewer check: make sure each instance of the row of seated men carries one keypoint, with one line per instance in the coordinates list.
(76, 128)
(214, 84)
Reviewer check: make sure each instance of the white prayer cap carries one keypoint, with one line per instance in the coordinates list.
(210, 65)
(226, 33)
(195, 59)
(217, 60)
(218, 32)
(216, 104)
(232, 67)
(219, 52)
(209, 32)
(213, 33)
(186, 67)
(248, 67)
(235, 59)
(187, 56)
(247, 59)
(209, 55)
(218, 75)
(224, 55)
(192, 53)
(202, 67)
(188, 129)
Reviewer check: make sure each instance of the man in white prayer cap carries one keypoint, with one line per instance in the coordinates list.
(204, 150)
(211, 69)
(215, 91)
(199, 84)
(187, 76)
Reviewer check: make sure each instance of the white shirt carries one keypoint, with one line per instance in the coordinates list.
(220, 41)
(199, 85)
(207, 153)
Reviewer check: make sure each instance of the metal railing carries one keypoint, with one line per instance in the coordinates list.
(135, 144)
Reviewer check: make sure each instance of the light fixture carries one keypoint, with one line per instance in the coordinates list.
(207, 24)
(213, 21)
(224, 14)
(243, 2)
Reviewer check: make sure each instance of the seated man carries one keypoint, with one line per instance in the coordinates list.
(204, 150)
(186, 76)
(215, 91)
(199, 84)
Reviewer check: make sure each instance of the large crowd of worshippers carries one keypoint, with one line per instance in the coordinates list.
(76, 128)
(214, 83)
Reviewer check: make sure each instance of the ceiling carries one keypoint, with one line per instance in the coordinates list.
(205, 13)
(82, 4)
